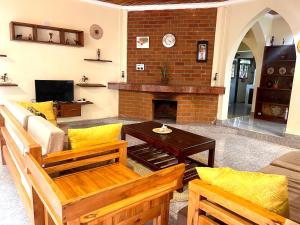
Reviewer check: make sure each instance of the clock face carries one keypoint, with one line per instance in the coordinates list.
(169, 40)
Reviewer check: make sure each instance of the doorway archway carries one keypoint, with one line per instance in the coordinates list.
(264, 26)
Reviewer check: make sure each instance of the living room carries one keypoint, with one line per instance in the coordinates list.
(123, 63)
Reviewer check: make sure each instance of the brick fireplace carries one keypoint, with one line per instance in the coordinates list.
(198, 105)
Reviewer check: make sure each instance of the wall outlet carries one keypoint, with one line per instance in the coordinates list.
(140, 66)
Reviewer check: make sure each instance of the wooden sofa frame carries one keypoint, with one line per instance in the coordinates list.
(205, 199)
(133, 202)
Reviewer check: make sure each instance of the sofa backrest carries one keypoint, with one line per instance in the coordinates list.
(50, 137)
(20, 113)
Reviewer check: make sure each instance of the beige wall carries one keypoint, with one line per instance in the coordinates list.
(238, 19)
(29, 61)
(281, 30)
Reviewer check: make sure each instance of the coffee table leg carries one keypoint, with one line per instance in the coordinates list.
(123, 134)
(211, 157)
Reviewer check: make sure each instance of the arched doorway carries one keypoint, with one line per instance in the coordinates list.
(269, 29)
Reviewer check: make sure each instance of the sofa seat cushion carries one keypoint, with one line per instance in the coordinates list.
(93, 136)
(46, 134)
(268, 191)
(18, 112)
(289, 161)
(293, 188)
(45, 108)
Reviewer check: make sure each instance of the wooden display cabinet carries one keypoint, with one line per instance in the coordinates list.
(274, 93)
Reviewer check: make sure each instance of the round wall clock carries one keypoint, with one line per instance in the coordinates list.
(96, 31)
(169, 40)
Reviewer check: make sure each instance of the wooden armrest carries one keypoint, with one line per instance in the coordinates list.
(71, 154)
(71, 159)
(45, 188)
(199, 190)
(129, 202)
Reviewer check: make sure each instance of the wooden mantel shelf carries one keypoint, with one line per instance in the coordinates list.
(167, 88)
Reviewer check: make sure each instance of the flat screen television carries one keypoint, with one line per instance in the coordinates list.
(54, 90)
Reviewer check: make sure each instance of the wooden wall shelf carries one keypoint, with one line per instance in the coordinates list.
(8, 85)
(3, 55)
(97, 60)
(91, 85)
(35, 33)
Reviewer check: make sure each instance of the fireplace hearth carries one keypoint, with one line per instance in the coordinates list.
(164, 110)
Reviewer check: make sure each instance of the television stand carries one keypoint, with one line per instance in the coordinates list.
(70, 109)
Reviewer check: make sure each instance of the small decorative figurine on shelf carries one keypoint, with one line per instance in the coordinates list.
(29, 37)
(19, 36)
(272, 41)
(76, 42)
(283, 41)
(4, 78)
(84, 79)
(50, 37)
(98, 53)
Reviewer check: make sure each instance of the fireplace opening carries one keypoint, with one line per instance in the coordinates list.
(165, 110)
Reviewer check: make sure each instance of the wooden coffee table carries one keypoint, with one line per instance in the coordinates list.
(164, 150)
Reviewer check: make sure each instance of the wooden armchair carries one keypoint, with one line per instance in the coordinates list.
(67, 191)
(89, 186)
(224, 207)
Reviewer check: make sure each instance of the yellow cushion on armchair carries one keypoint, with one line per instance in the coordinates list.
(44, 107)
(93, 136)
(266, 190)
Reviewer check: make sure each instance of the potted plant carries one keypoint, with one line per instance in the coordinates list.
(164, 74)
(276, 83)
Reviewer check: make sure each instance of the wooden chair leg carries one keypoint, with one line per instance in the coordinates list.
(2, 156)
(38, 209)
(1, 149)
(48, 219)
(193, 209)
(164, 213)
(156, 221)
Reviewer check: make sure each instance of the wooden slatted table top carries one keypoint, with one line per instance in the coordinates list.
(92, 180)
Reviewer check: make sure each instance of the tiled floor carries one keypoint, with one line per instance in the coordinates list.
(260, 126)
(232, 150)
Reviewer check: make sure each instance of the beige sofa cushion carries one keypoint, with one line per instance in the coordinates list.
(290, 161)
(20, 113)
(46, 134)
(293, 188)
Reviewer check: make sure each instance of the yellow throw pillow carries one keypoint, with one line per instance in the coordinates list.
(88, 137)
(266, 190)
(44, 107)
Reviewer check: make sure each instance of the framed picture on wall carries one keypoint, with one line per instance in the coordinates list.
(202, 48)
(142, 42)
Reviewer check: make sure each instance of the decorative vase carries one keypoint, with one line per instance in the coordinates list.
(164, 80)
